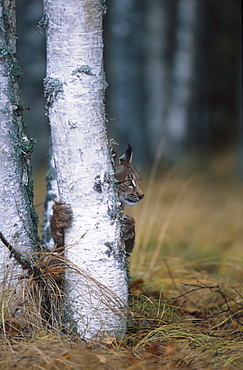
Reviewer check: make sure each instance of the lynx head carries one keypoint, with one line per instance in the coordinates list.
(129, 191)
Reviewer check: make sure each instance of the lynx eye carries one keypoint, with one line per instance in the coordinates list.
(128, 183)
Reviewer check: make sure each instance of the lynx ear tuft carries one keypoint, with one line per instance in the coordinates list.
(127, 156)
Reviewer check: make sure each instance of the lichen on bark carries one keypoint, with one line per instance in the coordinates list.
(52, 86)
(16, 175)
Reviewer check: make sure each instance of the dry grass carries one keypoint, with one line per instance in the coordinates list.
(187, 297)
(195, 218)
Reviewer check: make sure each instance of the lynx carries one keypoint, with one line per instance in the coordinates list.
(129, 192)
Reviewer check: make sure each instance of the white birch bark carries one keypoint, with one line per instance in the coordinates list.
(18, 220)
(182, 92)
(74, 92)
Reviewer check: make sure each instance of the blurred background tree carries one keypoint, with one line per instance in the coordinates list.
(173, 69)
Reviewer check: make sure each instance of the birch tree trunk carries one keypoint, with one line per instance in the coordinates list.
(74, 89)
(51, 195)
(18, 219)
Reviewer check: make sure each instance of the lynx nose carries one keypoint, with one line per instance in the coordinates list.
(140, 196)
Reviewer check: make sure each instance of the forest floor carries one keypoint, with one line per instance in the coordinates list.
(186, 302)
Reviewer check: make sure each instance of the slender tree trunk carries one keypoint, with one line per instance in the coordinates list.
(18, 219)
(51, 195)
(74, 89)
(157, 71)
(182, 81)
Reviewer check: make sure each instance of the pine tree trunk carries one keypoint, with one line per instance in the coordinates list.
(74, 89)
(18, 220)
